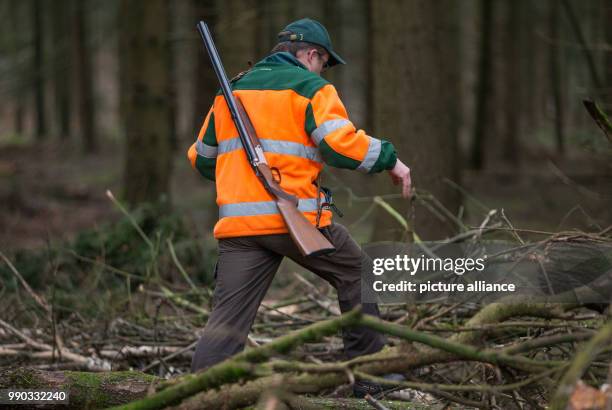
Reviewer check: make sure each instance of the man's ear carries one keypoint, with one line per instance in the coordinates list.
(305, 54)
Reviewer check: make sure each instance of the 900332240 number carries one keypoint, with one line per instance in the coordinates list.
(32, 396)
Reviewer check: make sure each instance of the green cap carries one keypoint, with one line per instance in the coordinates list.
(310, 31)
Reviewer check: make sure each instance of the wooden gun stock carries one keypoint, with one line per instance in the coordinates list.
(307, 238)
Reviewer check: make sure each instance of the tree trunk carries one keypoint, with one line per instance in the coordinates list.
(237, 34)
(352, 44)
(39, 81)
(86, 390)
(205, 88)
(529, 21)
(16, 36)
(590, 61)
(416, 89)
(83, 76)
(146, 102)
(555, 74)
(205, 80)
(61, 65)
(512, 83)
(607, 92)
(482, 122)
(272, 17)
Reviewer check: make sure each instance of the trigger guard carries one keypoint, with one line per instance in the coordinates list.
(276, 175)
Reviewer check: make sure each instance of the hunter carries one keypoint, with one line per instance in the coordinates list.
(302, 125)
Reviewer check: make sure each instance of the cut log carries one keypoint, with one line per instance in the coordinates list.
(85, 390)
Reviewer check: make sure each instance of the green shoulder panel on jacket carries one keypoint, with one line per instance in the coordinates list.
(281, 77)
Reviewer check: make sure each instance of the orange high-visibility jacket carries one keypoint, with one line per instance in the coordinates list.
(301, 124)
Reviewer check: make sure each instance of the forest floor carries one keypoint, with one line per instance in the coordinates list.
(112, 300)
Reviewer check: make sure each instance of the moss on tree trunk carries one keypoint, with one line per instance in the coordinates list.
(86, 390)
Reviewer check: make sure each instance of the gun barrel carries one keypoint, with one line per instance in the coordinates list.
(226, 89)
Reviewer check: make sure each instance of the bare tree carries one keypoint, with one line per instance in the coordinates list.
(145, 94)
(205, 81)
(38, 64)
(483, 94)
(15, 34)
(415, 100)
(512, 82)
(83, 76)
(237, 34)
(61, 66)
(555, 74)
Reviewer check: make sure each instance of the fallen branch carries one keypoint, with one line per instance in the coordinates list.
(238, 367)
(483, 388)
(88, 363)
(39, 300)
(460, 350)
(86, 390)
(391, 360)
(600, 118)
(581, 362)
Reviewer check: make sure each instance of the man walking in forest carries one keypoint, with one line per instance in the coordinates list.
(302, 124)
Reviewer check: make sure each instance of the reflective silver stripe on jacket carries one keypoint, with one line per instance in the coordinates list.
(229, 145)
(275, 146)
(371, 156)
(204, 150)
(262, 208)
(327, 128)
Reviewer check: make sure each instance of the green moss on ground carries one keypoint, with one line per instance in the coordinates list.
(94, 390)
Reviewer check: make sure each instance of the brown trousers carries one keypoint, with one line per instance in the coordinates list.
(245, 269)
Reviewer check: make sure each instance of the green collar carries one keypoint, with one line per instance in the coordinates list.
(282, 57)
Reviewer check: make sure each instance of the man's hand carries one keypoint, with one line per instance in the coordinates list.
(401, 174)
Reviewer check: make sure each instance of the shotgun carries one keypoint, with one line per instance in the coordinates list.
(309, 240)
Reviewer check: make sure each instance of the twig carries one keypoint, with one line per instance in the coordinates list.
(469, 196)
(105, 266)
(144, 237)
(183, 302)
(568, 181)
(65, 353)
(385, 205)
(456, 348)
(326, 305)
(180, 267)
(513, 324)
(440, 313)
(374, 403)
(458, 387)
(29, 341)
(170, 356)
(514, 233)
(39, 300)
(547, 341)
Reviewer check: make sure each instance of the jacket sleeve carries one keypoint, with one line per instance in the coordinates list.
(203, 153)
(340, 143)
